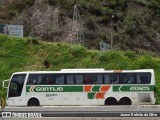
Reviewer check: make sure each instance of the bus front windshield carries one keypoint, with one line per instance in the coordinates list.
(16, 85)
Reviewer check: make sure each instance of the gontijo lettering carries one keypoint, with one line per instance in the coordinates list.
(47, 89)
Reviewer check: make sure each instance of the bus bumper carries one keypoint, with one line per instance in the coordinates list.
(15, 102)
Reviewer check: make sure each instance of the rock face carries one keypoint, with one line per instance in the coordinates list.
(43, 20)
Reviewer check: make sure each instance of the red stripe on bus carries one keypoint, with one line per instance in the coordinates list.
(88, 88)
(99, 95)
(31, 89)
(104, 88)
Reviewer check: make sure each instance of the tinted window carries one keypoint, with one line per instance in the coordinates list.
(59, 79)
(49, 79)
(92, 79)
(79, 79)
(70, 79)
(16, 85)
(111, 79)
(45, 79)
(99, 79)
(36, 79)
(143, 78)
(127, 78)
(106, 79)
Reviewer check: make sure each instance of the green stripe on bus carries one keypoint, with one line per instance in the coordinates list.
(91, 95)
(27, 88)
(96, 88)
(133, 88)
(54, 89)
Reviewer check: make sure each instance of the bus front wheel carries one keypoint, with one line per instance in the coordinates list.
(125, 101)
(110, 101)
(33, 102)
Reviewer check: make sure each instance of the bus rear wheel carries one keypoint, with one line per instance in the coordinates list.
(33, 102)
(110, 101)
(125, 101)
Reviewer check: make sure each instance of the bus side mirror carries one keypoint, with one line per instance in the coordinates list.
(5, 83)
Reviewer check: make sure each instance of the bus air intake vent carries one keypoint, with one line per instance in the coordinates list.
(144, 97)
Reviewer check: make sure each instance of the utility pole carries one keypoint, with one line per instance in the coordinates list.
(112, 32)
(77, 30)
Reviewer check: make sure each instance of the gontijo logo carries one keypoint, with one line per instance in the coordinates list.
(45, 89)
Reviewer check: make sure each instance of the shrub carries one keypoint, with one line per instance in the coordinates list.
(146, 62)
(77, 51)
(130, 54)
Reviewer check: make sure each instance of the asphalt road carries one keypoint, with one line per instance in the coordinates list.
(147, 112)
(87, 108)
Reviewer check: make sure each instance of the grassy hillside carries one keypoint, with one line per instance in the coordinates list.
(18, 54)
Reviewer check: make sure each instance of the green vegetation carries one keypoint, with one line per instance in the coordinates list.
(29, 54)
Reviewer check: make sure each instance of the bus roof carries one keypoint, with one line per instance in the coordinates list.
(86, 71)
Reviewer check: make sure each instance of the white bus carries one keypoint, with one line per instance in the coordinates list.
(81, 87)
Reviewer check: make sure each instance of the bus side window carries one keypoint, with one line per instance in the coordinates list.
(143, 78)
(138, 79)
(60, 79)
(93, 79)
(48, 79)
(127, 78)
(70, 79)
(114, 79)
(99, 79)
(79, 79)
(40, 79)
(106, 79)
(124, 78)
(32, 79)
(88, 79)
(131, 80)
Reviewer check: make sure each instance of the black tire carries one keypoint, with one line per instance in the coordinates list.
(33, 102)
(125, 101)
(110, 101)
